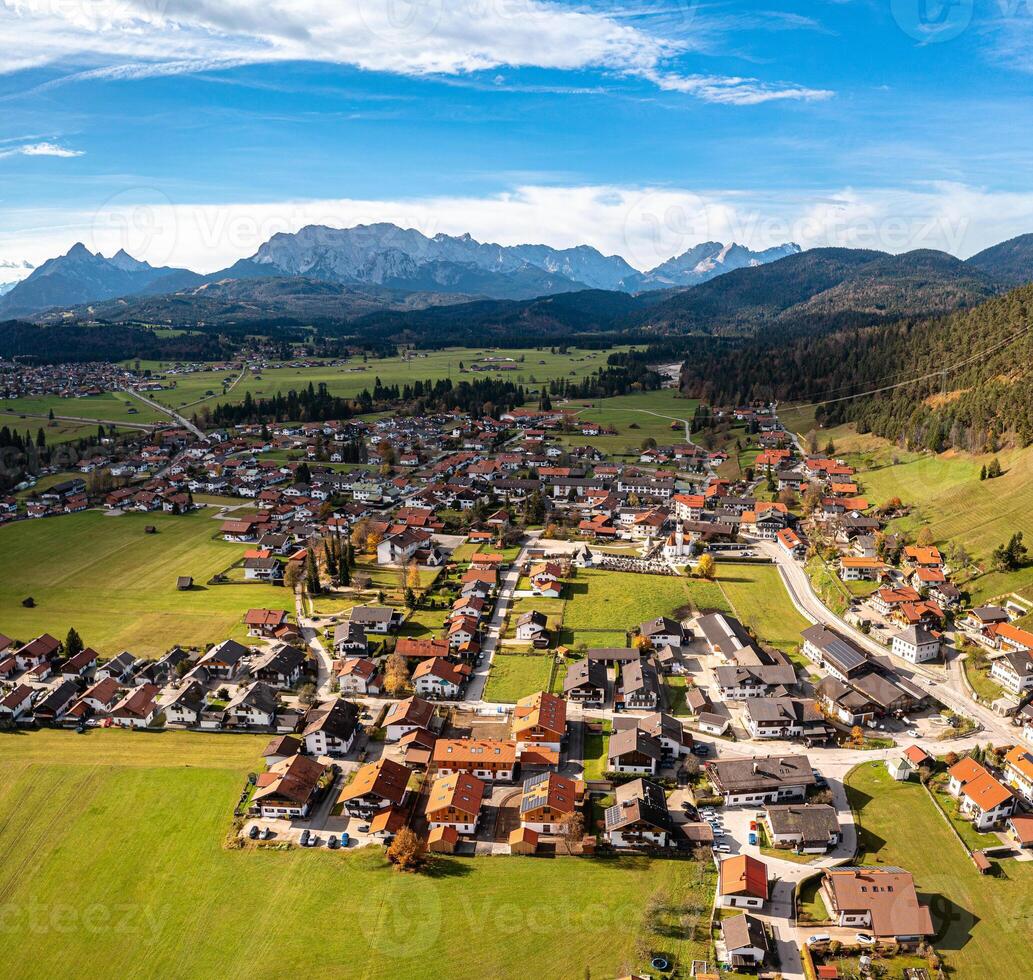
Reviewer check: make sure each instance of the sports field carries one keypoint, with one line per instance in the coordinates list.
(116, 866)
(980, 919)
(117, 585)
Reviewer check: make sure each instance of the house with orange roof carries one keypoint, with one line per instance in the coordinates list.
(375, 787)
(439, 679)
(860, 569)
(487, 758)
(789, 541)
(742, 882)
(549, 800)
(540, 721)
(455, 801)
(1018, 771)
(981, 797)
(1011, 638)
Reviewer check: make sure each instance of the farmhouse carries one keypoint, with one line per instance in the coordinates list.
(138, 708)
(532, 627)
(186, 706)
(376, 619)
(265, 622)
(253, 706)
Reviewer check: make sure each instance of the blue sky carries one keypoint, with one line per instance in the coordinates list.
(189, 131)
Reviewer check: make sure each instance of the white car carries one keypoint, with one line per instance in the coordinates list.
(722, 849)
(821, 937)
(864, 939)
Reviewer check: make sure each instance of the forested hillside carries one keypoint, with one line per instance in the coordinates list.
(966, 376)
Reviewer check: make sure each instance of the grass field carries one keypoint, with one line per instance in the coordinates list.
(117, 585)
(534, 367)
(113, 405)
(618, 601)
(115, 866)
(596, 745)
(57, 432)
(514, 676)
(946, 494)
(658, 415)
(760, 600)
(980, 919)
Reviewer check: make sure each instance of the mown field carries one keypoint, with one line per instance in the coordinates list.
(117, 585)
(981, 920)
(658, 415)
(759, 599)
(116, 866)
(618, 601)
(533, 367)
(514, 676)
(57, 432)
(114, 405)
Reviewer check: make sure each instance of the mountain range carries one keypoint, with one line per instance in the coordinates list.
(371, 259)
(393, 283)
(11, 273)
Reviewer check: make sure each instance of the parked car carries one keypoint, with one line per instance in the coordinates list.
(253, 832)
(913, 733)
(700, 749)
(303, 839)
(753, 825)
(344, 840)
(722, 849)
(267, 834)
(821, 937)
(753, 838)
(333, 843)
(865, 939)
(819, 779)
(364, 829)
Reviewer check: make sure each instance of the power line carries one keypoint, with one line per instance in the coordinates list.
(938, 373)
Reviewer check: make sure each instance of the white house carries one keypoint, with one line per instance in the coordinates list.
(916, 645)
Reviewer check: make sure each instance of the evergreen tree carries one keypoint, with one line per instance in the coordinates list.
(73, 643)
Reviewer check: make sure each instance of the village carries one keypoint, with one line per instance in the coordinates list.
(425, 685)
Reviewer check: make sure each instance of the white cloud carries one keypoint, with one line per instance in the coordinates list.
(645, 225)
(729, 90)
(39, 150)
(409, 37)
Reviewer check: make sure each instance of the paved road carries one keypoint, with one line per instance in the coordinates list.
(809, 605)
(165, 410)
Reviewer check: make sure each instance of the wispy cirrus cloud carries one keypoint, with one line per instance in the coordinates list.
(44, 149)
(138, 38)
